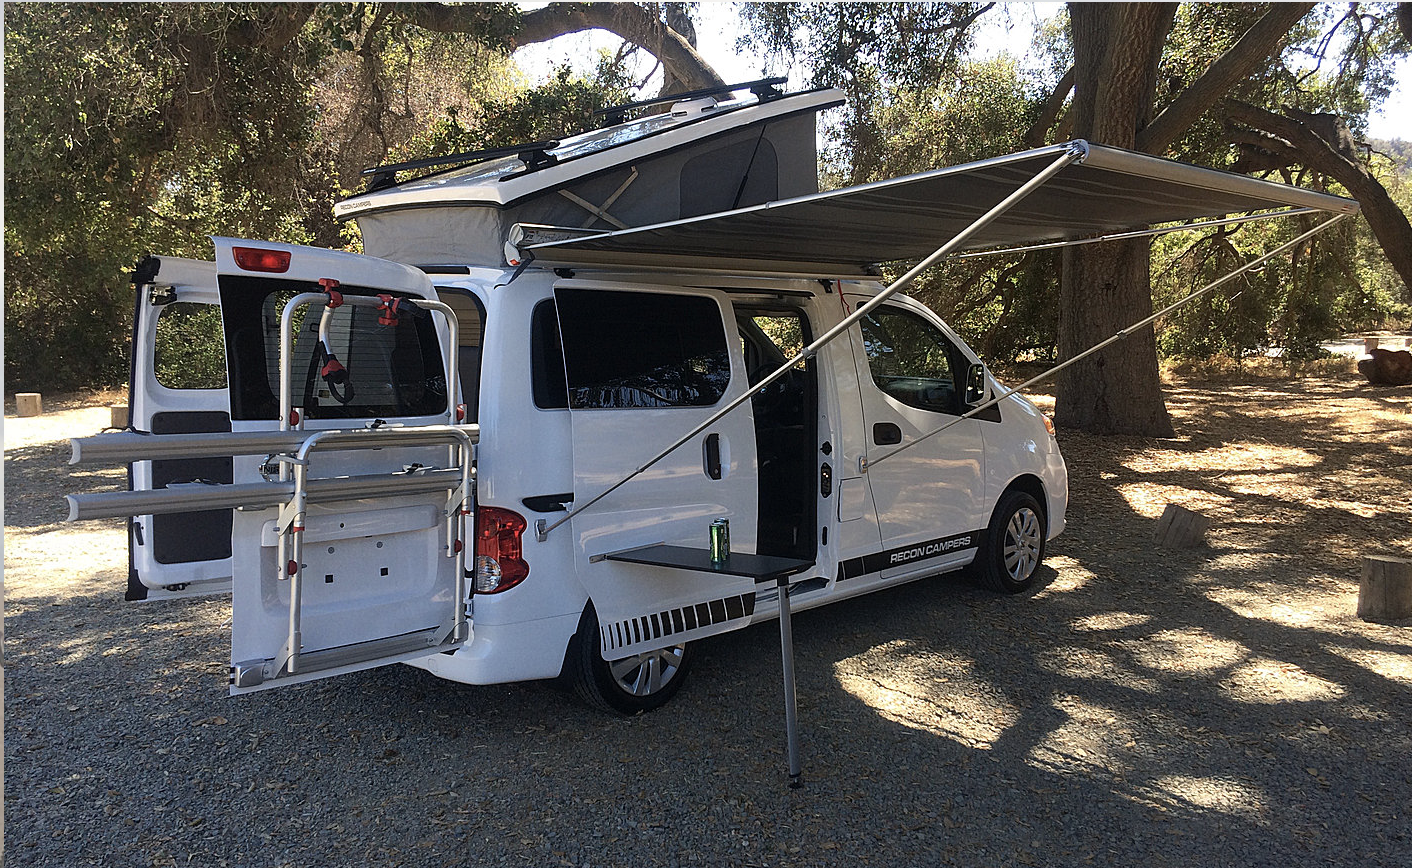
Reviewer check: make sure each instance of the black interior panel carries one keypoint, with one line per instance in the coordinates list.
(193, 536)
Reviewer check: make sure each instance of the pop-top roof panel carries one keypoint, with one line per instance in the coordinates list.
(1106, 190)
(503, 180)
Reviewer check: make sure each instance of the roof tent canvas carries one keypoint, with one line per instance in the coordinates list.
(768, 160)
(1107, 190)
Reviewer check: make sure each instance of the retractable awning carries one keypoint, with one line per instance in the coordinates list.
(1107, 190)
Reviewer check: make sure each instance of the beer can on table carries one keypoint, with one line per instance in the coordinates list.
(720, 541)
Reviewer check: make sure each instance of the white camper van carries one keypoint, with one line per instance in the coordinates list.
(495, 446)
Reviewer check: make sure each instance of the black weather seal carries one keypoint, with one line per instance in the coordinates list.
(765, 89)
(145, 271)
(535, 155)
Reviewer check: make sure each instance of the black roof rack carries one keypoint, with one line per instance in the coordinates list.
(535, 155)
(765, 89)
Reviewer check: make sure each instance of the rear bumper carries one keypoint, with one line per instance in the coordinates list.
(496, 654)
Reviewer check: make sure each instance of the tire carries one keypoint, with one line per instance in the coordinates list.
(1009, 560)
(631, 685)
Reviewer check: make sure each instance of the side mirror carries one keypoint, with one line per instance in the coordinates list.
(975, 385)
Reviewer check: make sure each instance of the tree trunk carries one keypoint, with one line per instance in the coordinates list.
(1107, 287)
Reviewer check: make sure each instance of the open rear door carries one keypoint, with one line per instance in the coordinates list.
(377, 575)
(178, 386)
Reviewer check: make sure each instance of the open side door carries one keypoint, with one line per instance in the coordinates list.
(643, 368)
(178, 386)
(373, 572)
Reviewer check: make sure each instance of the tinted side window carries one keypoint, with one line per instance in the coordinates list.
(547, 359)
(632, 350)
(910, 359)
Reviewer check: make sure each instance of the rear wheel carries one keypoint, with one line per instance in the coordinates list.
(628, 685)
(1014, 546)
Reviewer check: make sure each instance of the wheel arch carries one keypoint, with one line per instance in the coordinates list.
(1031, 485)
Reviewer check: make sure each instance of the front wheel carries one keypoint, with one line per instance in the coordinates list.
(1014, 545)
(629, 685)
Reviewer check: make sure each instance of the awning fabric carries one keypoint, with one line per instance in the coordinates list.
(1108, 190)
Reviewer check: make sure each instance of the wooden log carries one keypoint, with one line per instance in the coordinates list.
(1387, 367)
(1180, 527)
(117, 415)
(1385, 591)
(29, 403)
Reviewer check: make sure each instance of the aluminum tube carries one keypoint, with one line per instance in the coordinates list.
(194, 497)
(791, 714)
(1072, 153)
(1138, 233)
(125, 447)
(286, 352)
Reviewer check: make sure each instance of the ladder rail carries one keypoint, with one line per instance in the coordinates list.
(459, 506)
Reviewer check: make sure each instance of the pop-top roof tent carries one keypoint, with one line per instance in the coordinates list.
(723, 182)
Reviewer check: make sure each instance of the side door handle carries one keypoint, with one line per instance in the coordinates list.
(713, 455)
(886, 434)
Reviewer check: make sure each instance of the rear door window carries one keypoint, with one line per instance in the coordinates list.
(627, 350)
(393, 370)
(190, 347)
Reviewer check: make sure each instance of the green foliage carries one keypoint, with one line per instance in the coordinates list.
(128, 128)
(874, 52)
(137, 128)
(563, 106)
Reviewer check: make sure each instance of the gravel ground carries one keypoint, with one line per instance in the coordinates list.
(1219, 706)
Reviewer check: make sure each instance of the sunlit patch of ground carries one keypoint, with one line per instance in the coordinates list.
(922, 690)
(1188, 650)
(1266, 681)
(1392, 665)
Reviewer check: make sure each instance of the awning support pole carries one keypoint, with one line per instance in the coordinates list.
(1138, 233)
(1119, 335)
(1076, 151)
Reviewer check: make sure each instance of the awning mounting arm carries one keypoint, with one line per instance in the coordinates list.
(1075, 152)
(1122, 333)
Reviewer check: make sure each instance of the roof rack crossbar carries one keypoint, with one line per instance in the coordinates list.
(765, 89)
(534, 154)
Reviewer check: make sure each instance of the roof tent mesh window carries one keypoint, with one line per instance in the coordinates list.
(737, 175)
(393, 371)
(629, 350)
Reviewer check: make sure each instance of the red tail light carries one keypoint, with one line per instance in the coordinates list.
(500, 563)
(258, 259)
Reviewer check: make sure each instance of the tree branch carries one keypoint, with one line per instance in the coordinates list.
(1236, 63)
(628, 21)
(1389, 224)
(1038, 131)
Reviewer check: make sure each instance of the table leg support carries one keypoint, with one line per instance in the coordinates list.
(791, 721)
